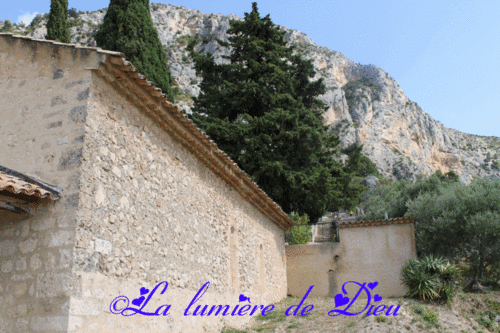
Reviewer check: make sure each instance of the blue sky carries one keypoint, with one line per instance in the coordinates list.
(444, 54)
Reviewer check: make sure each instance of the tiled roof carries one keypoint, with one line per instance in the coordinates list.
(373, 223)
(121, 74)
(18, 183)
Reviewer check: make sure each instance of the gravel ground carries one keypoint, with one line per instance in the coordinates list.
(468, 313)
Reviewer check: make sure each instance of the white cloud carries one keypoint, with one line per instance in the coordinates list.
(26, 18)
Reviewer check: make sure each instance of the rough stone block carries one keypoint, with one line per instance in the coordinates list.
(75, 323)
(22, 324)
(21, 264)
(53, 285)
(28, 245)
(83, 95)
(71, 200)
(49, 324)
(78, 114)
(70, 159)
(7, 248)
(43, 224)
(54, 124)
(78, 139)
(57, 74)
(20, 289)
(7, 266)
(57, 100)
(80, 307)
(60, 238)
(35, 262)
(103, 246)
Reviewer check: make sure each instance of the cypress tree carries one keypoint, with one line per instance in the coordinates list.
(263, 111)
(128, 28)
(57, 26)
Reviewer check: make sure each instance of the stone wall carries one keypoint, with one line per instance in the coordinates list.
(364, 254)
(137, 206)
(43, 92)
(312, 264)
(150, 211)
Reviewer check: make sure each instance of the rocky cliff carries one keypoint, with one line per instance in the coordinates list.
(365, 104)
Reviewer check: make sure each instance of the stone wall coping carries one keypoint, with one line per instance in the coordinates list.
(375, 223)
(122, 75)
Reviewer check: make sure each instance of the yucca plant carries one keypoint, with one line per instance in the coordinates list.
(450, 277)
(422, 283)
(431, 278)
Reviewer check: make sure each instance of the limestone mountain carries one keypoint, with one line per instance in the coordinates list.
(365, 104)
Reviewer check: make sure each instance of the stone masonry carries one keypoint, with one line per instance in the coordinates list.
(146, 198)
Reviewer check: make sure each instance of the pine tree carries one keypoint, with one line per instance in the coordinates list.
(263, 111)
(358, 164)
(57, 26)
(128, 28)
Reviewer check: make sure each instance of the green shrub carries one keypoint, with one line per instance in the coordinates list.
(393, 198)
(7, 26)
(181, 95)
(75, 23)
(366, 86)
(177, 91)
(301, 232)
(38, 18)
(72, 12)
(232, 330)
(431, 278)
(359, 164)
(450, 279)
(430, 317)
(351, 324)
(460, 222)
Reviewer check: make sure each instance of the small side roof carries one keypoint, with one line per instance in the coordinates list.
(374, 223)
(18, 183)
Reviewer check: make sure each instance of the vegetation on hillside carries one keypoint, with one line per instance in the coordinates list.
(460, 222)
(7, 26)
(355, 90)
(358, 164)
(300, 233)
(263, 111)
(453, 220)
(57, 25)
(128, 28)
(393, 198)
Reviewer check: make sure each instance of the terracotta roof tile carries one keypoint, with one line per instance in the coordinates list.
(373, 223)
(18, 183)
